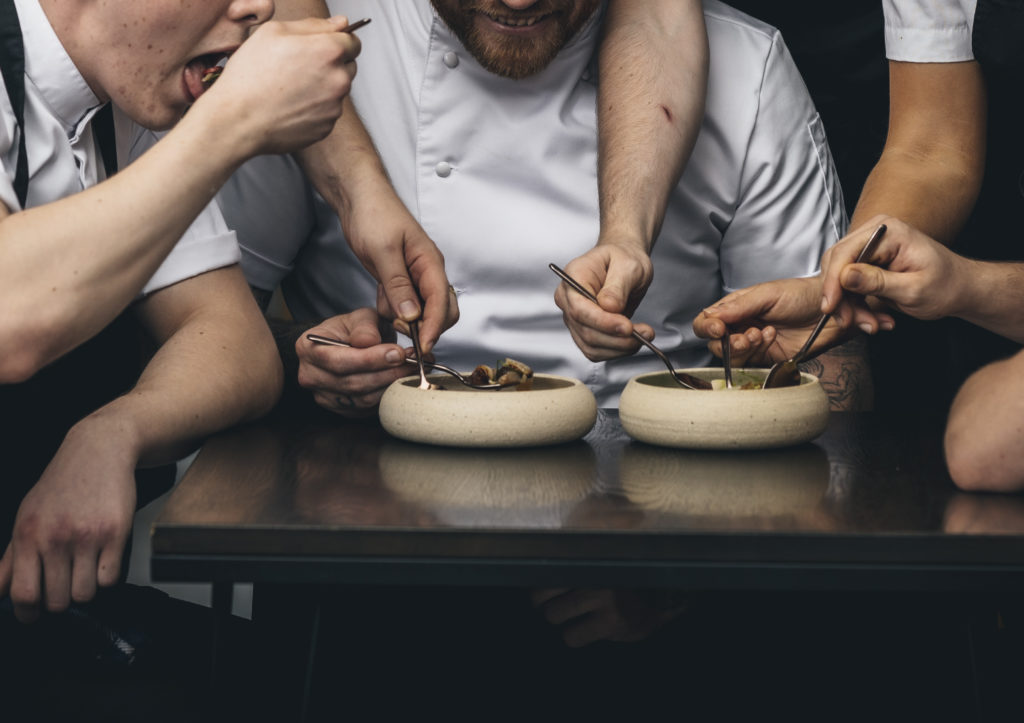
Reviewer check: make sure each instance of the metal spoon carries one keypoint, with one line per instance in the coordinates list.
(684, 379)
(414, 334)
(317, 339)
(727, 359)
(787, 373)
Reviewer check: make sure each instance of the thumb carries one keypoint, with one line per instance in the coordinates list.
(615, 291)
(863, 279)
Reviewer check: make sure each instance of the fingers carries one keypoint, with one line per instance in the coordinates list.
(83, 575)
(844, 253)
(599, 334)
(108, 568)
(26, 583)
(350, 381)
(623, 288)
(57, 579)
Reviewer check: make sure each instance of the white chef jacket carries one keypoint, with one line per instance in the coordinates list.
(929, 31)
(502, 176)
(62, 155)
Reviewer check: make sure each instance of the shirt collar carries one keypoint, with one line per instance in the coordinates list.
(50, 69)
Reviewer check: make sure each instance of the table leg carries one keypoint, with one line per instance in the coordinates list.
(221, 604)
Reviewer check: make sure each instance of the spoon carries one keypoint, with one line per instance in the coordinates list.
(727, 360)
(414, 333)
(684, 379)
(317, 339)
(787, 373)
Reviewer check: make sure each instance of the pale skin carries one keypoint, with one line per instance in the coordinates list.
(70, 267)
(928, 175)
(649, 118)
(985, 428)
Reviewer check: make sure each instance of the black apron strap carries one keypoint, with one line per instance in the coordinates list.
(103, 129)
(12, 63)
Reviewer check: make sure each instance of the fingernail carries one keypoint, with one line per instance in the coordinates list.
(408, 310)
(392, 357)
(866, 328)
(825, 303)
(887, 326)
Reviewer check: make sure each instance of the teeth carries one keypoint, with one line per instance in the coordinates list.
(515, 22)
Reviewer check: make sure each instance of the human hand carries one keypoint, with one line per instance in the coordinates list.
(768, 322)
(350, 382)
(285, 84)
(589, 616)
(618, 275)
(909, 271)
(72, 526)
(396, 250)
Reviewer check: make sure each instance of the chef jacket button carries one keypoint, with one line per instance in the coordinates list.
(451, 59)
(443, 169)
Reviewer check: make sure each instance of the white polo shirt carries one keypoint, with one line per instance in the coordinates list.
(503, 176)
(929, 31)
(62, 155)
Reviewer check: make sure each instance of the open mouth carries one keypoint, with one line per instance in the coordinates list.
(203, 71)
(514, 22)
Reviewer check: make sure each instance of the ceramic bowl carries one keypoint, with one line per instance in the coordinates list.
(555, 410)
(654, 409)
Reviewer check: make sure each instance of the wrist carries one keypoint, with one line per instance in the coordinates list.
(118, 432)
(628, 237)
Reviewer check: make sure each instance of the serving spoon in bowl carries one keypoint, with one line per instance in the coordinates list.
(682, 378)
(787, 373)
(329, 341)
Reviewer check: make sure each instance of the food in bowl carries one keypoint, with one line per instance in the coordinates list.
(507, 373)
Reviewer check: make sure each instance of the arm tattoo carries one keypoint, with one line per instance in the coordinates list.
(845, 374)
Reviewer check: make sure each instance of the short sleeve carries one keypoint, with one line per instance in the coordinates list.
(207, 243)
(929, 31)
(791, 204)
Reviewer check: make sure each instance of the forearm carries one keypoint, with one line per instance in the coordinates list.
(69, 267)
(993, 296)
(345, 163)
(653, 66)
(924, 191)
(845, 374)
(216, 366)
(930, 170)
(983, 434)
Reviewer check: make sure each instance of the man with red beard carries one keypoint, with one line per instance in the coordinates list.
(90, 260)
(484, 114)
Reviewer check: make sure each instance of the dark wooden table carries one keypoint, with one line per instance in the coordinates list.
(868, 505)
(301, 506)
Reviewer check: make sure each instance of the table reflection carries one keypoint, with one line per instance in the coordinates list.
(752, 490)
(985, 514)
(533, 487)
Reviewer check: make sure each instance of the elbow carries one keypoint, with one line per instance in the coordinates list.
(20, 361)
(977, 466)
(268, 384)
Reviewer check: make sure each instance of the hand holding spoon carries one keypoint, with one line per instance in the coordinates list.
(684, 379)
(787, 373)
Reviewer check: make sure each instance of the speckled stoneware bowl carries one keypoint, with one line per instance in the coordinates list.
(655, 409)
(556, 410)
